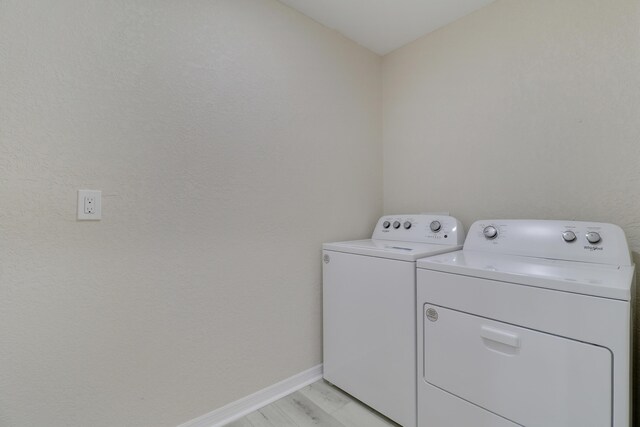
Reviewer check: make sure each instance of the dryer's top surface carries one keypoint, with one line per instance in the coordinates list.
(601, 280)
(391, 249)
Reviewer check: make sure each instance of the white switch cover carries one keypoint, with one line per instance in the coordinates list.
(89, 205)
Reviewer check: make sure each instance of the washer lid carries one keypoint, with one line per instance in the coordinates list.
(608, 281)
(392, 249)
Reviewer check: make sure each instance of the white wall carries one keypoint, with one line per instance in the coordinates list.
(524, 109)
(230, 139)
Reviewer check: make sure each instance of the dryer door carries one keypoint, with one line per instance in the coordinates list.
(529, 377)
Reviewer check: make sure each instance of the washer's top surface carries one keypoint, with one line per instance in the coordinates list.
(391, 249)
(420, 228)
(608, 281)
(407, 237)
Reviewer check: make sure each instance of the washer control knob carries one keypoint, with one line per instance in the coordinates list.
(593, 237)
(396, 224)
(569, 236)
(490, 232)
(435, 226)
(386, 224)
(407, 225)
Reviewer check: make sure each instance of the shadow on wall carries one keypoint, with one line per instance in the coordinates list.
(636, 348)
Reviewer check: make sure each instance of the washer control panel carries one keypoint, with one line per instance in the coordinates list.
(422, 228)
(563, 240)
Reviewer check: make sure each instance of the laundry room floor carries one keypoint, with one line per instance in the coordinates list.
(318, 404)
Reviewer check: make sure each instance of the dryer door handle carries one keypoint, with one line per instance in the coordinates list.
(502, 337)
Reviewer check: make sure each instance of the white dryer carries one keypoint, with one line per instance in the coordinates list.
(369, 300)
(528, 325)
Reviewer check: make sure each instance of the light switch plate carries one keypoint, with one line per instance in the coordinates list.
(89, 205)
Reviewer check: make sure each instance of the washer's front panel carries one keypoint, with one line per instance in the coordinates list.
(370, 331)
(529, 377)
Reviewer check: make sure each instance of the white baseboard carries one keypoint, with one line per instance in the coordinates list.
(257, 400)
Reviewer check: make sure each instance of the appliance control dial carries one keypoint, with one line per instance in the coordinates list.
(407, 225)
(593, 237)
(386, 224)
(569, 236)
(435, 226)
(490, 232)
(396, 224)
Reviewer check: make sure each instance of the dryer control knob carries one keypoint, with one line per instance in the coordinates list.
(396, 224)
(593, 237)
(435, 226)
(569, 236)
(386, 224)
(490, 232)
(407, 225)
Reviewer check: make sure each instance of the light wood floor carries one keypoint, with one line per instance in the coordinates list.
(318, 404)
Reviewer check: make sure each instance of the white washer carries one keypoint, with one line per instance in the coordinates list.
(369, 289)
(528, 325)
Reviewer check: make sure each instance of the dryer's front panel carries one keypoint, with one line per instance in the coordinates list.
(529, 377)
(369, 331)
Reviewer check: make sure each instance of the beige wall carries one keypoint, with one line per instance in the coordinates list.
(230, 139)
(524, 109)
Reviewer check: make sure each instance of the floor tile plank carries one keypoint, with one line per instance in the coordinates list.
(326, 396)
(270, 416)
(357, 415)
(318, 405)
(305, 413)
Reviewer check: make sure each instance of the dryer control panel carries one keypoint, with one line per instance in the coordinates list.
(592, 242)
(421, 228)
